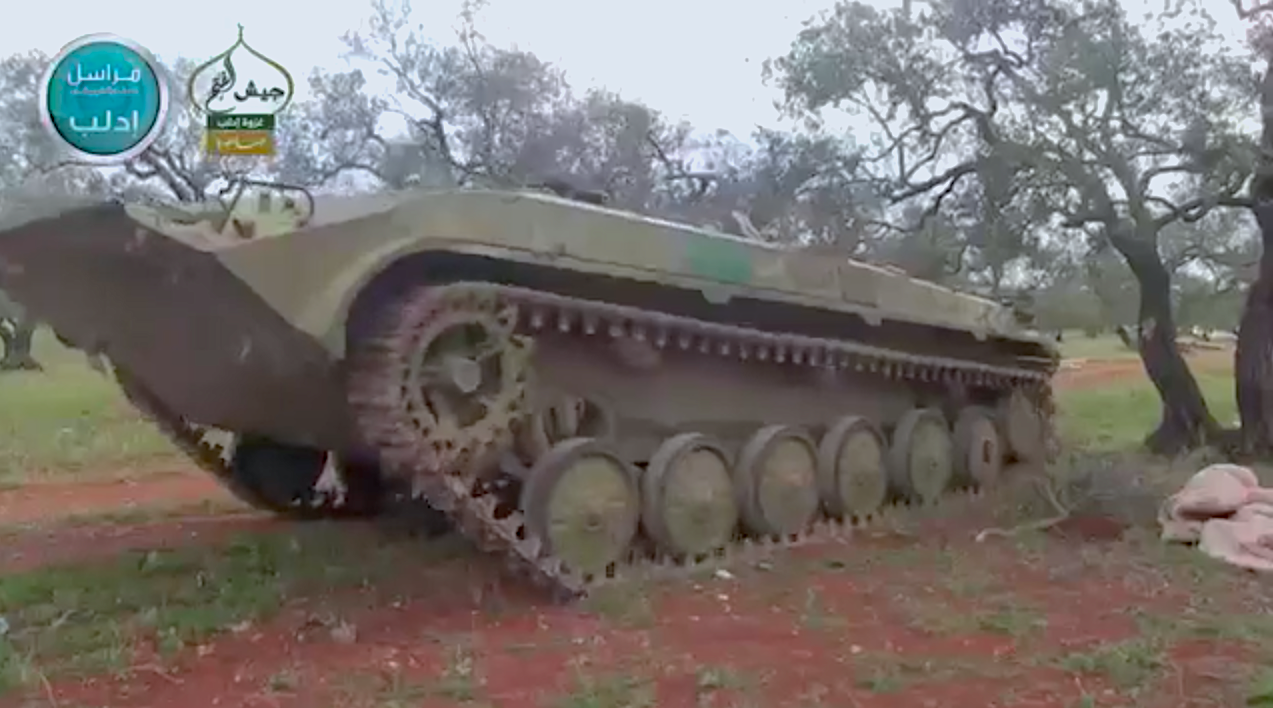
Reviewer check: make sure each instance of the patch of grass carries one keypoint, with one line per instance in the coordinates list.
(1011, 619)
(969, 584)
(1077, 345)
(625, 604)
(1214, 613)
(719, 678)
(85, 619)
(1261, 691)
(1254, 630)
(1119, 415)
(814, 614)
(882, 679)
(458, 682)
(69, 418)
(1129, 664)
(609, 691)
(933, 615)
(889, 673)
(1003, 616)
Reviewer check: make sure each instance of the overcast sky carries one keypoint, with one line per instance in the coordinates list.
(698, 60)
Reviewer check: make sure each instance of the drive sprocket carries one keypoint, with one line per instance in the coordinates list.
(453, 375)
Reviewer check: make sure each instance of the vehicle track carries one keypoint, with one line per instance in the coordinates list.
(455, 480)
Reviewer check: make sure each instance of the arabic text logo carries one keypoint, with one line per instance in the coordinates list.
(240, 93)
(104, 98)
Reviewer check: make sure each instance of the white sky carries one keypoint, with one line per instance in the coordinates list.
(698, 60)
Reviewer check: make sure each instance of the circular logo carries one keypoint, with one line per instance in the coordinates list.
(104, 98)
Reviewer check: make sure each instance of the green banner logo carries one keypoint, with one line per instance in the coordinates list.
(241, 91)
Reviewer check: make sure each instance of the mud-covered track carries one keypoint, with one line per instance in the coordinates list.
(454, 474)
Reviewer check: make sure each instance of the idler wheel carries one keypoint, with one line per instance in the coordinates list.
(921, 459)
(978, 449)
(581, 500)
(1023, 427)
(852, 477)
(778, 481)
(687, 495)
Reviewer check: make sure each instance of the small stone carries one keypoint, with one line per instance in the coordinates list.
(345, 633)
(723, 574)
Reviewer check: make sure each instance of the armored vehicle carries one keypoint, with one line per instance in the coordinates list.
(580, 389)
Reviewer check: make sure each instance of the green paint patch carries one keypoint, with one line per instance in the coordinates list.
(718, 259)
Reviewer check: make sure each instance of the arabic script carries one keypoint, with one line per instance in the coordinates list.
(103, 99)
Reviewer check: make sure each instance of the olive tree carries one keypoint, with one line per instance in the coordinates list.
(1080, 118)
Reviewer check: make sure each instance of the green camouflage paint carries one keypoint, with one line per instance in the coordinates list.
(718, 259)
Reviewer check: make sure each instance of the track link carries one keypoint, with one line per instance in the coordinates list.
(460, 487)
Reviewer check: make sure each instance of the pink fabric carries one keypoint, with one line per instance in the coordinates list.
(1226, 512)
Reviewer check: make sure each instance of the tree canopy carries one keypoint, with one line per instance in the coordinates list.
(1049, 148)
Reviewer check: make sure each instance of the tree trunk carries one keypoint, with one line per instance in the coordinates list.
(1186, 423)
(1253, 360)
(1253, 363)
(18, 336)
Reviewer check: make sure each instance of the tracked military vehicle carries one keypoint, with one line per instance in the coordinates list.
(579, 389)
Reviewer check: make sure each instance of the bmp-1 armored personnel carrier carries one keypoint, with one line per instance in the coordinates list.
(577, 388)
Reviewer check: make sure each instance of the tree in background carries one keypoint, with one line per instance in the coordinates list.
(1253, 361)
(1066, 113)
(1047, 148)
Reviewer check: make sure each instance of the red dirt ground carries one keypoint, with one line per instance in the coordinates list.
(931, 626)
(43, 501)
(949, 623)
(37, 548)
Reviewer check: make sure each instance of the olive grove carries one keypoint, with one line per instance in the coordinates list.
(1048, 117)
(1050, 151)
